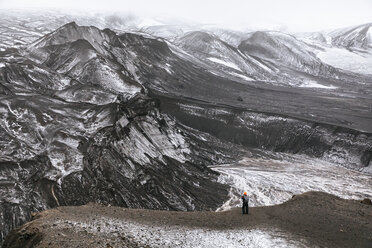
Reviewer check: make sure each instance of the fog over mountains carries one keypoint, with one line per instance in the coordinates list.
(119, 111)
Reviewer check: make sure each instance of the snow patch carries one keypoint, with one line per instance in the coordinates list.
(65, 162)
(225, 63)
(314, 84)
(123, 122)
(2, 65)
(347, 60)
(178, 236)
(217, 114)
(167, 67)
(146, 141)
(242, 76)
(132, 69)
(258, 63)
(112, 80)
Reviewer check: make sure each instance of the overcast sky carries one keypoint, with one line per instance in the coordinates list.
(291, 15)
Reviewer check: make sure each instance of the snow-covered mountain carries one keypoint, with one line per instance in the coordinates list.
(347, 48)
(222, 58)
(284, 52)
(281, 48)
(359, 37)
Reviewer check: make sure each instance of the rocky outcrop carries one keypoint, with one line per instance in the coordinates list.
(366, 201)
(143, 159)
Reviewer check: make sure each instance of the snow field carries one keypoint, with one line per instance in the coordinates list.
(271, 182)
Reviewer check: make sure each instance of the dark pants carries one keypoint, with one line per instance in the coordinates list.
(245, 207)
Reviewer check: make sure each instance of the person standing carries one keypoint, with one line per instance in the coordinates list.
(245, 200)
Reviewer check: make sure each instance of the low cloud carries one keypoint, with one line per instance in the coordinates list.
(291, 15)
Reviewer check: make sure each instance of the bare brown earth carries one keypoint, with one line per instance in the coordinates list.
(321, 219)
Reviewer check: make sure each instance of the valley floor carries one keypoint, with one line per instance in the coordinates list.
(312, 219)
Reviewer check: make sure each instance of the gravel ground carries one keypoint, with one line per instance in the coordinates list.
(313, 219)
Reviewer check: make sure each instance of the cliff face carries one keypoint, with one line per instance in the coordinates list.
(145, 160)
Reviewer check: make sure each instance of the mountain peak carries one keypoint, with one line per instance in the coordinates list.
(72, 24)
(71, 32)
(201, 40)
(200, 35)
